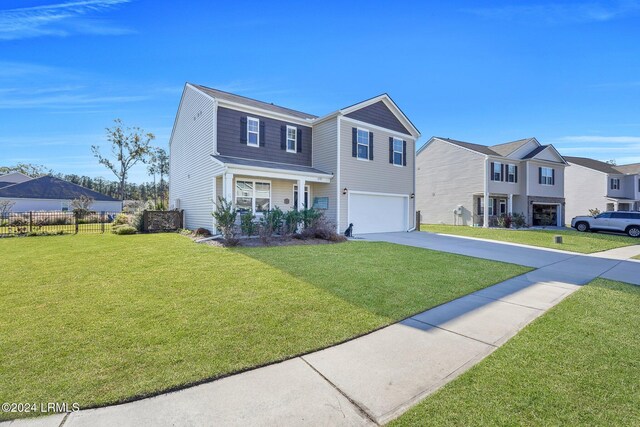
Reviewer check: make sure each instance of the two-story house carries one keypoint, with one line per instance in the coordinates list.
(356, 164)
(461, 183)
(592, 184)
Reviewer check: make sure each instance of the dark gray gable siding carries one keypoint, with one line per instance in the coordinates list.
(229, 139)
(378, 114)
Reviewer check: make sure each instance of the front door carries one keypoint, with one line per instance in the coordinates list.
(306, 197)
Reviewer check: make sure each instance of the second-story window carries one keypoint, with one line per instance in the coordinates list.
(292, 137)
(253, 131)
(615, 183)
(398, 151)
(363, 144)
(547, 176)
(496, 171)
(512, 173)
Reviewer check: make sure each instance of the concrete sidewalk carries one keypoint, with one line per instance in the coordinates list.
(375, 378)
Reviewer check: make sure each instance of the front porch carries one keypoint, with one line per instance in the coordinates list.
(622, 204)
(499, 204)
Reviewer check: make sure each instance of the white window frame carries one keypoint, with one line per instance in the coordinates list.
(65, 206)
(358, 144)
(490, 207)
(401, 164)
(257, 133)
(547, 179)
(307, 189)
(615, 183)
(508, 170)
(496, 166)
(253, 195)
(295, 139)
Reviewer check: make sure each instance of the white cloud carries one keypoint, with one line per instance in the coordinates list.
(596, 139)
(62, 19)
(561, 13)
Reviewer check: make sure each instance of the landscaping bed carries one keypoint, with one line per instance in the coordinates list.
(576, 365)
(100, 319)
(573, 241)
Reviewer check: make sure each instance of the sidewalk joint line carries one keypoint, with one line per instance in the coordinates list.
(504, 301)
(453, 332)
(64, 420)
(353, 402)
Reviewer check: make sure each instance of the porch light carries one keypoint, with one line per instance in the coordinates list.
(413, 195)
(344, 191)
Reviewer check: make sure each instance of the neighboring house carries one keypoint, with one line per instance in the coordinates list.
(592, 184)
(356, 164)
(48, 193)
(462, 183)
(13, 178)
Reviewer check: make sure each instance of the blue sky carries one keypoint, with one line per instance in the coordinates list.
(567, 73)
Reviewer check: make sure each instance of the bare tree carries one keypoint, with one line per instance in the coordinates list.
(163, 170)
(5, 208)
(128, 147)
(82, 205)
(152, 169)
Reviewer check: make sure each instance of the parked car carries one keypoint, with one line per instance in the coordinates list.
(623, 222)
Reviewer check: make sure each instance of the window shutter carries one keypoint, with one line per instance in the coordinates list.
(491, 171)
(479, 207)
(553, 177)
(283, 137)
(354, 142)
(243, 130)
(370, 145)
(516, 174)
(539, 175)
(390, 150)
(404, 153)
(495, 207)
(299, 141)
(262, 133)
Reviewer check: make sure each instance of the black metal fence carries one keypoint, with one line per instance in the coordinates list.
(34, 223)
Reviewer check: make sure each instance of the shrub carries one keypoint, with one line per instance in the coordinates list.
(270, 222)
(309, 217)
(121, 219)
(225, 216)
(123, 229)
(291, 219)
(505, 221)
(247, 224)
(137, 220)
(594, 212)
(202, 232)
(519, 220)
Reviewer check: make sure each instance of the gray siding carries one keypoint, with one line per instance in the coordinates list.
(536, 189)
(325, 158)
(448, 176)
(624, 191)
(229, 135)
(584, 189)
(379, 114)
(191, 166)
(503, 187)
(377, 176)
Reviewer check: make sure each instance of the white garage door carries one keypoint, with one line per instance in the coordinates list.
(377, 213)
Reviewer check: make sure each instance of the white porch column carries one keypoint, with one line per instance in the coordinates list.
(227, 186)
(301, 184)
(485, 218)
(510, 209)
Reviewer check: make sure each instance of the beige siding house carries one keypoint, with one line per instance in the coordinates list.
(455, 178)
(356, 165)
(592, 184)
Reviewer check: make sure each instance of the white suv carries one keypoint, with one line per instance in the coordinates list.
(624, 222)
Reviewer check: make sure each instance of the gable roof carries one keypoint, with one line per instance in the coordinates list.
(49, 187)
(219, 94)
(593, 164)
(386, 100)
(509, 147)
(482, 149)
(379, 114)
(15, 178)
(632, 168)
(533, 153)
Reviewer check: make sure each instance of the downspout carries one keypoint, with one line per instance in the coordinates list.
(338, 174)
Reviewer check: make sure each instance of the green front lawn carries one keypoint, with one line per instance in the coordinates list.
(97, 319)
(578, 364)
(573, 241)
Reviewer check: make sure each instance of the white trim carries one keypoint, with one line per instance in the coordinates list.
(391, 132)
(253, 197)
(558, 212)
(257, 144)
(386, 99)
(215, 203)
(215, 127)
(374, 193)
(393, 148)
(338, 174)
(295, 139)
(268, 173)
(543, 177)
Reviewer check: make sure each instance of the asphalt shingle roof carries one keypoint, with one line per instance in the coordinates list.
(270, 165)
(483, 149)
(509, 147)
(220, 94)
(593, 164)
(631, 168)
(49, 187)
